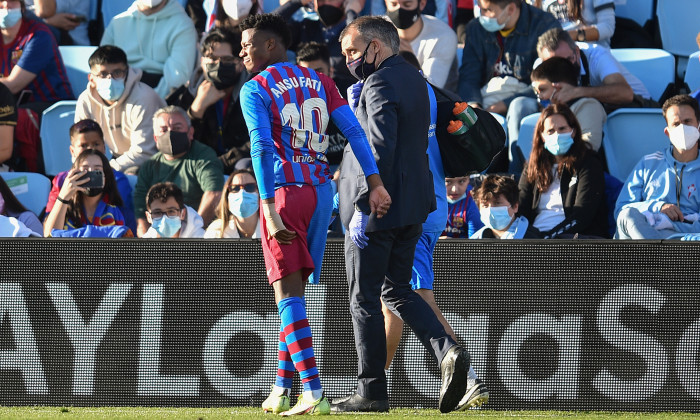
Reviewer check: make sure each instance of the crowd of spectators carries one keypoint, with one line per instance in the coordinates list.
(161, 103)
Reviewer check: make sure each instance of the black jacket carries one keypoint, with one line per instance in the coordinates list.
(583, 196)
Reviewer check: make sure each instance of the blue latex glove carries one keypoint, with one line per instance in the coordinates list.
(354, 95)
(357, 227)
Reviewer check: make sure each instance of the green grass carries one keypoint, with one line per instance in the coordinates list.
(230, 413)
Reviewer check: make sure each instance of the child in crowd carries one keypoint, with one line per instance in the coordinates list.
(497, 198)
(87, 134)
(169, 216)
(462, 215)
(89, 196)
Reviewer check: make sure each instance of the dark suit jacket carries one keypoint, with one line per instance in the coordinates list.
(394, 111)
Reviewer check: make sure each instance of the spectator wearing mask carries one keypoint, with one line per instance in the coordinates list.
(660, 197)
(229, 13)
(15, 219)
(421, 34)
(169, 216)
(212, 97)
(497, 61)
(159, 38)
(497, 198)
(77, 205)
(238, 215)
(118, 101)
(589, 112)
(562, 189)
(323, 27)
(87, 134)
(191, 165)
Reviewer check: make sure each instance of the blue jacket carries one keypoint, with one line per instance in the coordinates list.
(482, 51)
(652, 184)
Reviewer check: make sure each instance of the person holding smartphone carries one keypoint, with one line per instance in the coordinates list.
(80, 201)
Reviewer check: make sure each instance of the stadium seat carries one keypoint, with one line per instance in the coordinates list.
(501, 120)
(692, 72)
(270, 5)
(527, 131)
(656, 68)
(132, 182)
(112, 8)
(639, 11)
(75, 58)
(678, 25)
(31, 189)
(630, 134)
(55, 140)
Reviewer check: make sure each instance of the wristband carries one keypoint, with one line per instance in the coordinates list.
(62, 200)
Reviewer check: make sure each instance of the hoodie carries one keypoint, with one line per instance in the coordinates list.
(127, 123)
(653, 183)
(192, 227)
(162, 43)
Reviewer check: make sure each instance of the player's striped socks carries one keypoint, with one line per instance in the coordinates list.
(285, 366)
(297, 334)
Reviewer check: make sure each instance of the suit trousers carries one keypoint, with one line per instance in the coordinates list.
(382, 270)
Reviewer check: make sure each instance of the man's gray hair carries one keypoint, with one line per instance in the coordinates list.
(550, 40)
(172, 109)
(375, 27)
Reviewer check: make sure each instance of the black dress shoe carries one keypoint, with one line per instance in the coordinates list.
(355, 402)
(453, 369)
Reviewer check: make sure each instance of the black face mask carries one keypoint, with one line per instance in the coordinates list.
(93, 192)
(222, 73)
(173, 143)
(403, 18)
(360, 68)
(329, 15)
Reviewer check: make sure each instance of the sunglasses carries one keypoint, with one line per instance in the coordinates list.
(251, 187)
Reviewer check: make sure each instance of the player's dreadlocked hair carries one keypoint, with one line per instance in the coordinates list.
(268, 22)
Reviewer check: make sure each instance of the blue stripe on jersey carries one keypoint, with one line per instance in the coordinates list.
(296, 103)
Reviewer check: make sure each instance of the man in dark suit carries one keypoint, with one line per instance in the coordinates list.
(394, 111)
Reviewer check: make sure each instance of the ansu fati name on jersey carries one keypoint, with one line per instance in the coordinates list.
(295, 82)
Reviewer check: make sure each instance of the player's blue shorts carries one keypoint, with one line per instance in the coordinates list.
(318, 227)
(423, 275)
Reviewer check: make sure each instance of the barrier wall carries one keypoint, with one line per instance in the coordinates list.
(550, 324)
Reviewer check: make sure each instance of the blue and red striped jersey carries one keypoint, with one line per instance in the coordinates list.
(34, 49)
(287, 109)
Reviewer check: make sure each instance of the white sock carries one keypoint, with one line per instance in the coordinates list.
(278, 390)
(471, 377)
(313, 395)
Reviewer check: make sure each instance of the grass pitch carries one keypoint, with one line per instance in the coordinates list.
(230, 413)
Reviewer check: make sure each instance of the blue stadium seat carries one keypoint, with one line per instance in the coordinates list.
(55, 140)
(75, 58)
(132, 182)
(112, 8)
(270, 5)
(31, 189)
(630, 134)
(692, 72)
(639, 11)
(656, 68)
(678, 26)
(527, 131)
(501, 120)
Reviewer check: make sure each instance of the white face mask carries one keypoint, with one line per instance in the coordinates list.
(236, 9)
(150, 3)
(683, 137)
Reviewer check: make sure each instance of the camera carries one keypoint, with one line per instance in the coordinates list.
(95, 179)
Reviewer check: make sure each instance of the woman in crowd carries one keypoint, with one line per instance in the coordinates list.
(229, 13)
(585, 20)
(238, 215)
(78, 205)
(11, 207)
(562, 189)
